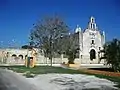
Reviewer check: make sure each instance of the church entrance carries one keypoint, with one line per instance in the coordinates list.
(92, 54)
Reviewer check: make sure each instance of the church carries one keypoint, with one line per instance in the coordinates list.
(90, 42)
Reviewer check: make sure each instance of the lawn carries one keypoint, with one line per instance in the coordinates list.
(48, 69)
(41, 69)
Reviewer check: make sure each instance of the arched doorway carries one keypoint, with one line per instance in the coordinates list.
(92, 54)
(20, 56)
(14, 55)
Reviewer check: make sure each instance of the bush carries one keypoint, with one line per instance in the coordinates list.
(71, 57)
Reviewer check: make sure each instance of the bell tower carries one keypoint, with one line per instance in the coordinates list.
(92, 24)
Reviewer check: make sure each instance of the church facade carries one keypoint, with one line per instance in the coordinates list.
(90, 42)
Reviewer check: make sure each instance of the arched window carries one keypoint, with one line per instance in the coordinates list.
(91, 26)
(93, 42)
(92, 20)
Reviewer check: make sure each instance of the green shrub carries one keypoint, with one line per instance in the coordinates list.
(71, 56)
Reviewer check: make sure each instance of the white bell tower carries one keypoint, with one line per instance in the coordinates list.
(92, 24)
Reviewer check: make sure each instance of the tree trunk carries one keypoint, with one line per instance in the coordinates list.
(51, 61)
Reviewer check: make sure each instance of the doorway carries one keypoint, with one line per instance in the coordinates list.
(92, 54)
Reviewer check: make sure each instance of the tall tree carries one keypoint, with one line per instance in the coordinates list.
(45, 32)
(72, 47)
(112, 54)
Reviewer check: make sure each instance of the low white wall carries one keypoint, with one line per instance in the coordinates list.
(44, 60)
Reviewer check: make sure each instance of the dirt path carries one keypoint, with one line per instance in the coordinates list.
(107, 73)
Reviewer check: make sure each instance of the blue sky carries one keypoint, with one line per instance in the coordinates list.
(18, 16)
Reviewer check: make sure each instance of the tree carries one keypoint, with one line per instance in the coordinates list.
(45, 32)
(69, 46)
(71, 49)
(112, 54)
(26, 47)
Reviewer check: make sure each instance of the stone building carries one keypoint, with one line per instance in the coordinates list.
(90, 42)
